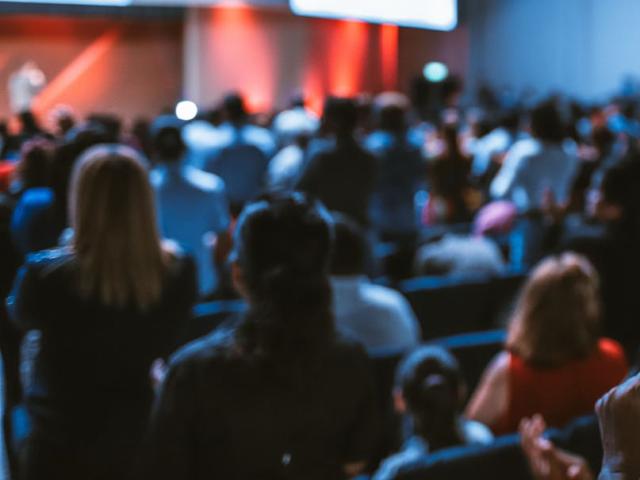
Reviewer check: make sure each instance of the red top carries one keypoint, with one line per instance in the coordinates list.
(561, 394)
(6, 170)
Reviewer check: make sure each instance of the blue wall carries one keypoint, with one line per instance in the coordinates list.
(583, 47)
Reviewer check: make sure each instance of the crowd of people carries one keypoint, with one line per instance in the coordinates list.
(110, 235)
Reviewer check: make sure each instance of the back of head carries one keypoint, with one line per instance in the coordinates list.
(34, 166)
(116, 241)
(111, 124)
(234, 108)
(281, 246)
(340, 116)
(391, 112)
(432, 387)
(557, 316)
(350, 248)
(166, 139)
(546, 123)
(509, 120)
(621, 186)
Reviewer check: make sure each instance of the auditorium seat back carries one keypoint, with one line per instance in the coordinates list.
(474, 351)
(208, 316)
(384, 363)
(502, 460)
(449, 306)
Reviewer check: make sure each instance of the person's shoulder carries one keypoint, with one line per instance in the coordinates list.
(476, 433)
(37, 196)
(48, 258)
(525, 147)
(414, 450)
(347, 347)
(498, 371)
(204, 181)
(611, 350)
(49, 265)
(206, 350)
(383, 297)
(177, 259)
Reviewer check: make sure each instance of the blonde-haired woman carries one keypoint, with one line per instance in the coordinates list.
(107, 306)
(555, 364)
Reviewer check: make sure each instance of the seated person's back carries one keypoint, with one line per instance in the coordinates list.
(429, 387)
(379, 317)
(280, 395)
(554, 363)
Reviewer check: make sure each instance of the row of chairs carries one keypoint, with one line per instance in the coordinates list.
(443, 306)
(504, 459)
(451, 305)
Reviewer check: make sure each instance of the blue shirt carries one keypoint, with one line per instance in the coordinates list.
(191, 203)
(239, 154)
(34, 225)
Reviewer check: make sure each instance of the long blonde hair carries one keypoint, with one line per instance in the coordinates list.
(120, 256)
(558, 313)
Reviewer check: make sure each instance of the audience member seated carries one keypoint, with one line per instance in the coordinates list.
(379, 317)
(612, 246)
(401, 170)
(238, 152)
(192, 205)
(106, 306)
(460, 255)
(430, 388)
(534, 170)
(341, 173)
(554, 363)
(280, 395)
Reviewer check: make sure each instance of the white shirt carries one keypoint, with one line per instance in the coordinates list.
(377, 316)
(530, 168)
(24, 86)
(296, 121)
(495, 142)
(285, 168)
(191, 204)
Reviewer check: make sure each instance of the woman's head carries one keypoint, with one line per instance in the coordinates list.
(281, 257)
(116, 239)
(34, 167)
(546, 123)
(430, 386)
(557, 316)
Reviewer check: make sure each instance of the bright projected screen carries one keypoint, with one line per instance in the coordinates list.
(431, 14)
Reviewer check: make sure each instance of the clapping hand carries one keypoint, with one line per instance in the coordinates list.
(548, 462)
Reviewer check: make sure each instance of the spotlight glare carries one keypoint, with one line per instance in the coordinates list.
(186, 110)
(435, 72)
